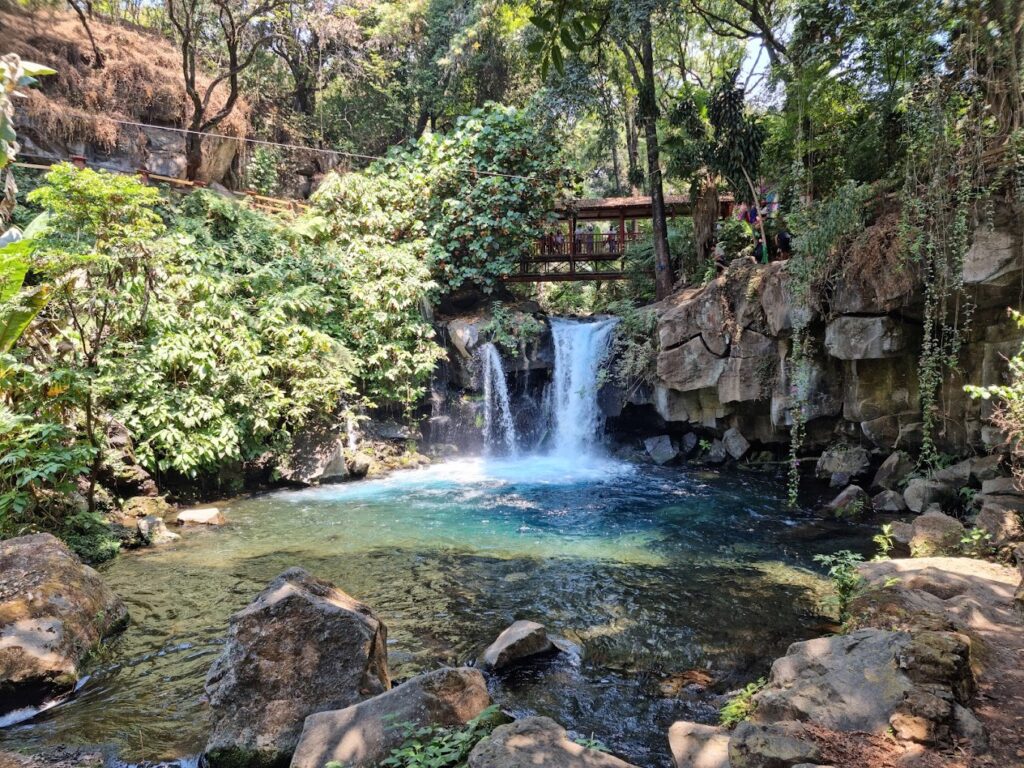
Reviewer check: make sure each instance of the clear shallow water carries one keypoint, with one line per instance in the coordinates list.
(652, 572)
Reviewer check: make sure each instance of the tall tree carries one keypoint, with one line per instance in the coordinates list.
(630, 27)
(230, 28)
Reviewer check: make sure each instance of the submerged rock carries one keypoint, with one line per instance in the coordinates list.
(153, 531)
(363, 735)
(53, 611)
(534, 742)
(205, 516)
(698, 746)
(519, 641)
(302, 646)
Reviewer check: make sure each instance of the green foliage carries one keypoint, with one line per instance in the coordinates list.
(262, 171)
(884, 541)
(634, 351)
(511, 331)
(473, 201)
(1008, 413)
(741, 706)
(977, 542)
(847, 583)
(14, 74)
(437, 747)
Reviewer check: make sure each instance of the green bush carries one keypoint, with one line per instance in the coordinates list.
(473, 201)
(740, 706)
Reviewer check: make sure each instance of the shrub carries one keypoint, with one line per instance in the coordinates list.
(847, 583)
(740, 706)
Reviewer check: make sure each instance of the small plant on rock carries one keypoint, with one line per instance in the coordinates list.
(437, 747)
(884, 540)
(977, 542)
(742, 705)
(847, 583)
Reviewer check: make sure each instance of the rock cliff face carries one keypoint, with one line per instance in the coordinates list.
(723, 351)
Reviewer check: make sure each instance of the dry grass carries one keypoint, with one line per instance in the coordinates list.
(876, 258)
(140, 81)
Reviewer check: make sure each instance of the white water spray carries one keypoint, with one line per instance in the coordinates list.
(579, 350)
(499, 428)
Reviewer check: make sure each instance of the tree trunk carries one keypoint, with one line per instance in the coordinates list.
(632, 154)
(663, 278)
(97, 57)
(705, 216)
(193, 155)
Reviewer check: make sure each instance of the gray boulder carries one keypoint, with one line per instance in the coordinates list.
(871, 680)
(688, 443)
(698, 746)
(864, 338)
(736, 445)
(843, 461)
(717, 453)
(153, 531)
(892, 472)
(921, 493)
(775, 745)
(888, 501)
(317, 456)
(1000, 521)
(534, 742)
(660, 449)
(1001, 486)
(852, 503)
(302, 646)
(935, 533)
(53, 611)
(519, 641)
(363, 735)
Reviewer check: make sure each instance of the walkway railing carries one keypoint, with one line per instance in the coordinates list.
(585, 256)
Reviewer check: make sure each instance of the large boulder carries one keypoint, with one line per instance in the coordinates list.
(53, 611)
(852, 503)
(153, 531)
(935, 533)
(660, 449)
(363, 735)
(698, 746)
(921, 493)
(317, 456)
(1001, 521)
(775, 745)
(736, 445)
(871, 680)
(534, 742)
(302, 646)
(864, 338)
(690, 366)
(892, 472)
(841, 463)
(519, 641)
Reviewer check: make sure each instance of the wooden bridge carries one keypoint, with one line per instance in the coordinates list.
(598, 233)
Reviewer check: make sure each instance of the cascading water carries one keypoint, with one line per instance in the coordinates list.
(499, 427)
(580, 348)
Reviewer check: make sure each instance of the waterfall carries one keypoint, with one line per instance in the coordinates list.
(499, 428)
(579, 351)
